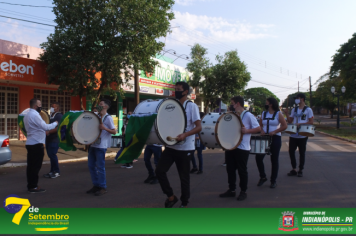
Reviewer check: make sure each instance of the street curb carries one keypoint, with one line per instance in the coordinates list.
(344, 139)
(59, 161)
(111, 154)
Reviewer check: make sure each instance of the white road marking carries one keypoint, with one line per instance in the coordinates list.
(315, 147)
(339, 148)
(351, 144)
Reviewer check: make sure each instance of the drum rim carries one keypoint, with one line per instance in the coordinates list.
(217, 125)
(100, 122)
(156, 124)
(48, 117)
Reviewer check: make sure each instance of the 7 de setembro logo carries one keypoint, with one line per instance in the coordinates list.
(13, 204)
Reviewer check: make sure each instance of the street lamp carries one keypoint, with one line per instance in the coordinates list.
(343, 89)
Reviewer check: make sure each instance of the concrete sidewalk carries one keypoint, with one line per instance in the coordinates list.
(19, 154)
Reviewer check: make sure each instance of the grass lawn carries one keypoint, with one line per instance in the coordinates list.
(348, 133)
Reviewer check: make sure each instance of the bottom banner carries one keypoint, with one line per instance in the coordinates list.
(19, 217)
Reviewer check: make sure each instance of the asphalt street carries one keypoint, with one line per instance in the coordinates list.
(328, 181)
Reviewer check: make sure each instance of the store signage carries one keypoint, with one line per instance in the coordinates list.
(159, 91)
(144, 89)
(172, 93)
(164, 76)
(127, 87)
(193, 96)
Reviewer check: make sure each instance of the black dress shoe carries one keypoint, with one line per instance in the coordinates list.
(262, 180)
(154, 180)
(199, 172)
(273, 185)
(242, 196)
(149, 179)
(93, 190)
(300, 173)
(170, 204)
(193, 170)
(228, 193)
(292, 173)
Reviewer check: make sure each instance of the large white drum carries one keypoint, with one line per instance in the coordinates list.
(291, 129)
(307, 130)
(171, 120)
(221, 130)
(85, 129)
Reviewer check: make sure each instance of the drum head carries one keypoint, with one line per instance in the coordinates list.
(171, 120)
(85, 128)
(228, 131)
(45, 116)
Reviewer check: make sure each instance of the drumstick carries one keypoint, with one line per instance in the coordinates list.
(169, 138)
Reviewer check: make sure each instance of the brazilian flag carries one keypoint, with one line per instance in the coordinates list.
(64, 130)
(20, 121)
(136, 135)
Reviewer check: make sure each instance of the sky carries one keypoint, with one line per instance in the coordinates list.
(281, 42)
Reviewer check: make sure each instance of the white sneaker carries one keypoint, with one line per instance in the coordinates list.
(129, 166)
(55, 175)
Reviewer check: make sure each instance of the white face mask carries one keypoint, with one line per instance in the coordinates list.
(51, 110)
(96, 113)
(297, 101)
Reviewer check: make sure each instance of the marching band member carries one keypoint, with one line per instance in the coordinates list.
(272, 123)
(180, 154)
(237, 158)
(97, 151)
(301, 114)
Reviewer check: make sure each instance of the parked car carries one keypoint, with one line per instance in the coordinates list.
(5, 152)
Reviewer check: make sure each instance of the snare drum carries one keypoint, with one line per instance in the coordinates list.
(171, 120)
(85, 129)
(291, 129)
(221, 130)
(307, 130)
(260, 144)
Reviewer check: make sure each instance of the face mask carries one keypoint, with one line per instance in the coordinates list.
(96, 113)
(39, 109)
(231, 108)
(297, 101)
(51, 110)
(179, 94)
(128, 116)
(99, 108)
(266, 107)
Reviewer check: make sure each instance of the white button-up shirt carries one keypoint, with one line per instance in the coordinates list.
(36, 128)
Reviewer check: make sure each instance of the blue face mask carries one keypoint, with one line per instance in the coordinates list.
(128, 116)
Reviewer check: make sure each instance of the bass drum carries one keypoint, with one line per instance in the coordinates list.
(171, 119)
(85, 129)
(221, 130)
(44, 115)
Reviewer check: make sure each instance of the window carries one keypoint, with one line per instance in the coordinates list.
(49, 96)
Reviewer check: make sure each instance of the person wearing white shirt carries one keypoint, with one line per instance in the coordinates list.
(97, 151)
(237, 159)
(272, 123)
(36, 138)
(180, 154)
(301, 114)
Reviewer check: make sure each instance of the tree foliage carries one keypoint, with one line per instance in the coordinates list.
(258, 96)
(224, 79)
(103, 36)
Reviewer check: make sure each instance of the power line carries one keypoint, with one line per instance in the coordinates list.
(23, 5)
(27, 21)
(26, 15)
(258, 61)
(25, 26)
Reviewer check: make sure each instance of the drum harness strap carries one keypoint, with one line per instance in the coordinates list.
(296, 113)
(268, 119)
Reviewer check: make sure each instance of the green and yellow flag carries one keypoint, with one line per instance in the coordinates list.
(21, 123)
(64, 130)
(137, 132)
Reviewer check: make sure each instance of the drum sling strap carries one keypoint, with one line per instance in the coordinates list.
(268, 119)
(296, 111)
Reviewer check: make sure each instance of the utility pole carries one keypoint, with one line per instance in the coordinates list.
(310, 90)
(137, 86)
(298, 86)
